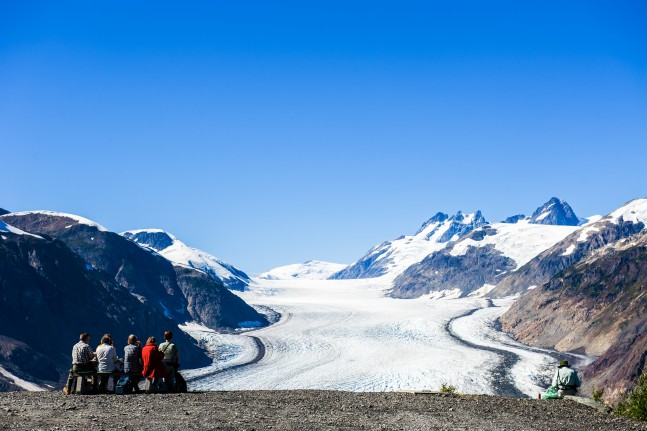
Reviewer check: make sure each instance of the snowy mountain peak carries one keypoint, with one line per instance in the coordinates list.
(179, 253)
(392, 257)
(310, 270)
(437, 218)
(556, 212)
(155, 239)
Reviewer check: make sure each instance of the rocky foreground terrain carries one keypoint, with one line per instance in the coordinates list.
(298, 410)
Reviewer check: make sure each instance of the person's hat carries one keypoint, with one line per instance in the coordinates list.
(563, 364)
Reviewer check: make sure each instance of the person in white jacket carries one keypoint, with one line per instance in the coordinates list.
(107, 362)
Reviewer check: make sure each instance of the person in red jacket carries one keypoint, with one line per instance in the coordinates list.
(154, 368)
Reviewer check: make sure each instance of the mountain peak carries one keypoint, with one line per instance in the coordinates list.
(439, 217)
(555, 212)
(4, 211)
(156, 239)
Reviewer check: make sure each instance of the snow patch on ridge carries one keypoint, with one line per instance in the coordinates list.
(4, 227)
(634, 211)
(28, 386)
(571, 248)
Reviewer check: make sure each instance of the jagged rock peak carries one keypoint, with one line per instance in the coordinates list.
(555, 212)
(155, 239)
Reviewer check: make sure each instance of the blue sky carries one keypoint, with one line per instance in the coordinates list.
(270, 133)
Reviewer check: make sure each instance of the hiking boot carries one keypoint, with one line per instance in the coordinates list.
(66, 390)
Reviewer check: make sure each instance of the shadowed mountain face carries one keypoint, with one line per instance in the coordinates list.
(148, 276)
(598, 305)
(3, 211)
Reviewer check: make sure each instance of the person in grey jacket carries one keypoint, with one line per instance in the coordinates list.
(566, 380)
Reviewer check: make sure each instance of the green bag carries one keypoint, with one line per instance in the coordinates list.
(551, 393)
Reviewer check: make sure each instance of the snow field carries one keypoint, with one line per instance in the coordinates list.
(345, 335)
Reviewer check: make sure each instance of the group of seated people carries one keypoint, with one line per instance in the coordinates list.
(152, 362)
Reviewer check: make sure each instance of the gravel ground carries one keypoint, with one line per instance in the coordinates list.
(298, 410)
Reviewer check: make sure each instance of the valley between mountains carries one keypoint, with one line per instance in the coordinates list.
(488, 307)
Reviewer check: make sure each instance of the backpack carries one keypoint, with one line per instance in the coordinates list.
(180, 383)
(124, 385)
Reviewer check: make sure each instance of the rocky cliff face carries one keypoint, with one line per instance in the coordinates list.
(598, 306)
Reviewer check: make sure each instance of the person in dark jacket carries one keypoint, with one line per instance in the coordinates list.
(153, 368)
(133, 361)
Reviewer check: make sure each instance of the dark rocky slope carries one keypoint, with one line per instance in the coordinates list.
(598, 306)
(148, 276)
(441, 271)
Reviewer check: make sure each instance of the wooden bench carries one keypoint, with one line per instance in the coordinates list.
(81, 385)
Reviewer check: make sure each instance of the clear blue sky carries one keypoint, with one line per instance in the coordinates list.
(270, 133)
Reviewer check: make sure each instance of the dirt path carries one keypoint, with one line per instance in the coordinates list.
(298, 410)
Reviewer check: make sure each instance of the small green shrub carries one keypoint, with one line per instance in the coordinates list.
(597, 395)
(634, 403)
(446, 388)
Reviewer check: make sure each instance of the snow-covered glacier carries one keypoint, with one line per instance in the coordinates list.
(346, 335)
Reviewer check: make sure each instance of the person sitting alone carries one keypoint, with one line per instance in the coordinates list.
(153, 368)
(133, 361)
(566, 380)
(171, 359)
(82, 356)
(108, 363)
